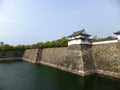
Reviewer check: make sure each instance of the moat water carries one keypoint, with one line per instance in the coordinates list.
(27, 76)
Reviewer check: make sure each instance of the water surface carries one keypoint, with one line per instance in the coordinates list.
(27, 76)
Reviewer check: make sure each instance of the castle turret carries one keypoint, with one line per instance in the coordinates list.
(118, 34)
(79, 46)
(79, 37)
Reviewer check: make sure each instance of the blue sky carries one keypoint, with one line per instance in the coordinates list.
(32, 21)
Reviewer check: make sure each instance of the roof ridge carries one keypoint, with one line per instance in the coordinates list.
(118, 32)
(80, 32)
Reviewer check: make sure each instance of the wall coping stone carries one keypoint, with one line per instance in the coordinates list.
(105, 42)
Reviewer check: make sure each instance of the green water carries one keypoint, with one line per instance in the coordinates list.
(26, 76)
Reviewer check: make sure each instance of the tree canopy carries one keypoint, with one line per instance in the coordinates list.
(49, 44)
(96, 39)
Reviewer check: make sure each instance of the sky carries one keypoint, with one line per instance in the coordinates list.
(32, 21)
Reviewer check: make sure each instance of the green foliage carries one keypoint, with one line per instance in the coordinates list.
(19, 47)
(6, 47)
(49, 44)
(95, 39)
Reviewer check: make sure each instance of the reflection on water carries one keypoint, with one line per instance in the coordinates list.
(26, 76)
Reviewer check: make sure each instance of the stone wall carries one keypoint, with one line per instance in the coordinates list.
(30, 55)
(106, 58)
(79, 59)
(72, 59)
(88, 63)
(11, 54)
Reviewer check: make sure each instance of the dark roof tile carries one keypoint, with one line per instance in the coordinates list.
(117, 33)
(81, 32)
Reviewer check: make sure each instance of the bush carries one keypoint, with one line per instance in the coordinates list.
(95, 39)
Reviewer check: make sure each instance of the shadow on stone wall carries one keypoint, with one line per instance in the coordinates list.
(11, 54)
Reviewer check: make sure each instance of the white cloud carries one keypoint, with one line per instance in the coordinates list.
(6, 20)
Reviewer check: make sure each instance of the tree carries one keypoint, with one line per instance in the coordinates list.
(7, 47)
(49, 44)
(95, 39)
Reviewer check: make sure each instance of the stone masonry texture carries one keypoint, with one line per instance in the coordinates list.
(11, 54)
(106, 58)
(73, 59)
(79, 59)
(30, 55)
